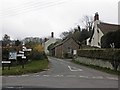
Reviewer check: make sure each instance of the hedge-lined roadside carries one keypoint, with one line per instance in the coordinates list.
(31, 67)
(103, 69)
(111, 55)
(105, 54)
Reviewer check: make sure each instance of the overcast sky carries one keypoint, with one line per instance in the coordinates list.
(38, 18)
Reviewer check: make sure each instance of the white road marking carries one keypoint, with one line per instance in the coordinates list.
(11, 76)
(14, 87)
(71, 76)
(112, 78)
(10, 87)
(37, 75)
(62, 61)
(46, 75)
(94, 77)
(83, 76)
(58, 76)
(97, 77)
(24, 75)
(74, 69)
(18, 76)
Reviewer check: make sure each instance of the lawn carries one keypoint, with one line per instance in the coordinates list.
(31, 67)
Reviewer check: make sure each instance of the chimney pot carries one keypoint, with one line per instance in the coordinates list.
(52, 34)
(96, 17)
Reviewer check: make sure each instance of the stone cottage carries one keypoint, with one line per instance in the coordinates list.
(66, 48)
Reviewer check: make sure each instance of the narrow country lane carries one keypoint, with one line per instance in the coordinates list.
(63, 74)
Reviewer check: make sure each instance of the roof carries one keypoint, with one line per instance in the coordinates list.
(105, 27)
(75, 36)
(60, 43)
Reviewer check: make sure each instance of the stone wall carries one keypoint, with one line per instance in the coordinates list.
(96, 62)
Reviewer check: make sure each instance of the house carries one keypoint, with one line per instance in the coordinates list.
(49, 42)
(98, 30)
(66, 47)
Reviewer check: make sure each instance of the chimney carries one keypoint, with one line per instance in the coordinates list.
(52, 34)
(45, 39)
(96, 17)
(79, 28)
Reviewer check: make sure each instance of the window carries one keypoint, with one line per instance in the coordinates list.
(69, 50)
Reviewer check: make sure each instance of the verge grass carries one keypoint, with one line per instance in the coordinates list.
(33, 66)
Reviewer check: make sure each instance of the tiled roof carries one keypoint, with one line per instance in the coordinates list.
(73, 36)
(105, 27)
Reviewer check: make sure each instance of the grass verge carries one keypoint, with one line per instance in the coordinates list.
(31, 67)
(107, 70)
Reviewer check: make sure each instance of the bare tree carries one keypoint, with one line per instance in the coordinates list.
(6, 40)
(66, 33)
(6, 37)
(87, 21)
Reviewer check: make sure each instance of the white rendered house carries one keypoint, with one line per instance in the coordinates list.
(49, 42)
(98, 30)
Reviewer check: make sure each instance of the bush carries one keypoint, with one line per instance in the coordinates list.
(108, 39)
(5, 53)
(105, 54)
(111, 55)
(38, 53)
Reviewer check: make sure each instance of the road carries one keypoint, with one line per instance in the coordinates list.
(63, 74)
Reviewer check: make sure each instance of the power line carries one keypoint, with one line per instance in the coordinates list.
(36, 5)
(31, 7)
(26, 4)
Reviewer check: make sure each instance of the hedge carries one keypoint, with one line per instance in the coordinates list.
(112, 55)
(105, 54)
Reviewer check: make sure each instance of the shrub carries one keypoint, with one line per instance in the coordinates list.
(111, 55)
(37, 53)
(5, 53)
